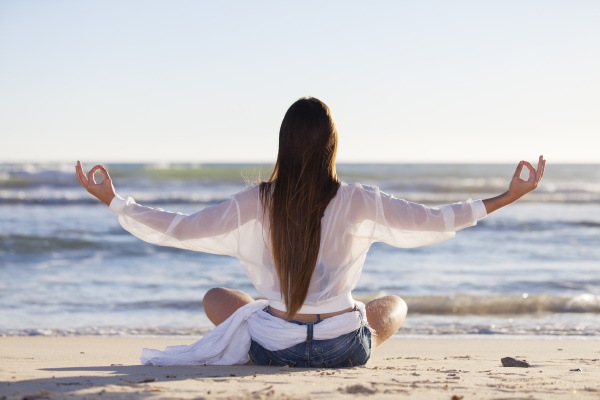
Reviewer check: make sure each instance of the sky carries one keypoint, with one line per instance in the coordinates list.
(206, 81)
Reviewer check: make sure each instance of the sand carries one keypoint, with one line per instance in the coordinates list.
(108, 368)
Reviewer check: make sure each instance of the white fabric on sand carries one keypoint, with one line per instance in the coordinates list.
(229, 343)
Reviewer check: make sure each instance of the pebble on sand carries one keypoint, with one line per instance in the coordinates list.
(511, 362)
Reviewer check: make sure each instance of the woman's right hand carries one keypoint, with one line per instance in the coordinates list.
(104, 190)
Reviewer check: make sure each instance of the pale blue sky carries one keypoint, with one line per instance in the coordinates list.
(205, 81)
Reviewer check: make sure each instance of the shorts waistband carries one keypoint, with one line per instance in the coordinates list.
(309, 325)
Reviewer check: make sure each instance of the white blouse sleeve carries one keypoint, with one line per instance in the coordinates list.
(404, 224)
(211, 230)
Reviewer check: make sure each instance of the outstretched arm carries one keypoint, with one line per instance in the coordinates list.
(518, 187)
(211, 230)
(104, 190)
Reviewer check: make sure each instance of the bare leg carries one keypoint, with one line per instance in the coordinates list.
(385, 315)
(219, 303)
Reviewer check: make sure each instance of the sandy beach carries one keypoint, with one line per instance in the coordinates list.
(108, 368)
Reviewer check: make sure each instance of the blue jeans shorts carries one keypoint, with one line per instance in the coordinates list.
(348, 350)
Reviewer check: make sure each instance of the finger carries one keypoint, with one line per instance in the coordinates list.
(518, 170)
(532, 172)
(542, 167)
(81, 175)
(104, 172)
(81, 178)
(91, 174)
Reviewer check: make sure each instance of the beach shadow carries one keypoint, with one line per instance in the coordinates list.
(183, 372)
(125, 379)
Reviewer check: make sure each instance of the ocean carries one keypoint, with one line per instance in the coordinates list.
(68, 268)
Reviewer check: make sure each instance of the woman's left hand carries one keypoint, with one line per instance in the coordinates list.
(104, 190)
(520, 187)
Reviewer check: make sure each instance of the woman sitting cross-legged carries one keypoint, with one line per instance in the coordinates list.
(302, 238)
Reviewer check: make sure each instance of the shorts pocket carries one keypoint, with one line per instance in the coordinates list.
(279, 360)
(355, 352)
(262, 356)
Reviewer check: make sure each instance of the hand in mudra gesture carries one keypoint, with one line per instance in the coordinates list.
(103, 190)
(519, 187)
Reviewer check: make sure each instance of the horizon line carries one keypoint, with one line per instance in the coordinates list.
(254, 162)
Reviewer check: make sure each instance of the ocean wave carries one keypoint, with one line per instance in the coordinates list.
(164, 195)
(190, 183)
(22, 175)
(60, 175)
(28, 244)
(195, 305)
(502, 305)
(576, 317)
(541, 314)
(106, 331)
(72, 244)
(76, 240)
(53, 198)
(513, 225)
(456, 329)
(426, 305)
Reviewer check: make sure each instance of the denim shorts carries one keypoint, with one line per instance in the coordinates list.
(348, 350)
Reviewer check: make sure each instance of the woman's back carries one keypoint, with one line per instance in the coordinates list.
(344, 242)
(354, 219)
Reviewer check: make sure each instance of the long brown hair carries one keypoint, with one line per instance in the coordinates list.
(303, 183)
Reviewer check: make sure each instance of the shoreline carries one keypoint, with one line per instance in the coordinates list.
(190, 338)
(44, 367)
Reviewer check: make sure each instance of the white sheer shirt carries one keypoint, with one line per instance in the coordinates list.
(356, 217)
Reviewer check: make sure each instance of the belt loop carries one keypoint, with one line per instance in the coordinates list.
(362, 317)
(309, 331)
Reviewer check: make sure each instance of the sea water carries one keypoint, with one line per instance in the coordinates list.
(68, 268)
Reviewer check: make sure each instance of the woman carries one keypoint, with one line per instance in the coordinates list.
(302, 238)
